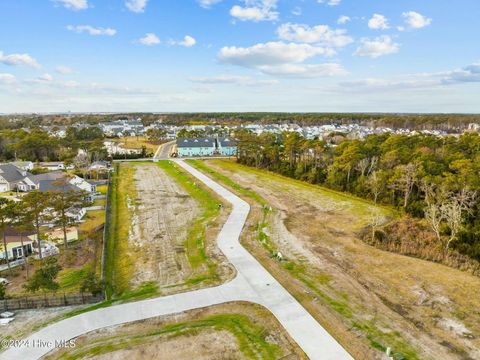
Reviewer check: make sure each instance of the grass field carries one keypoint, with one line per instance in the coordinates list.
(133, 142)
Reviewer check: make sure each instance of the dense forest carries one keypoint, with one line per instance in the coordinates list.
(447, 122)
(433, 180)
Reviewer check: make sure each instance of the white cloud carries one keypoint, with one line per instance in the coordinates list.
(92, 30)
(330, 2)
(256, 10)
(372, 84)
(271, 53)
(378, 22)
(467, 74)
(136, 6)
(208, 3)
(7, 79)
(64, 70)
(380, 46)
(73, 4)
(297, 11)
(233, 79)
(188, 41)
(415, 20)
(149, 39)
(19, 60)
(279, 58)
(320, 34)
(343, 19)
(45, 78)
(306, 70)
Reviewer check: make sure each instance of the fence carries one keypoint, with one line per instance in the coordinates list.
(38, 302)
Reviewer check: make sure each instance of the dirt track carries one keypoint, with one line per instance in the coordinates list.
(431, 306)
(164, 211)
(161, 215)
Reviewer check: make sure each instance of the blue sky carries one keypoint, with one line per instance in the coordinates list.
(239, 55)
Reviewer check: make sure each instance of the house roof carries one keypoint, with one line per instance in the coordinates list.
(226, 142)
(50, 176)
(11, 173)
(195, 143)
(53, 185)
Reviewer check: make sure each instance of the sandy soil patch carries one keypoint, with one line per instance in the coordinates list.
(161, 215)
(159, 227)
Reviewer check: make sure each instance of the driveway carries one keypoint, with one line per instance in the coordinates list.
(253, 283)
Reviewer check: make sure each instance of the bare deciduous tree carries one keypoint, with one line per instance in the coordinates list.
(447, 207)
(406, 180)
(375, 184)
(458, 205)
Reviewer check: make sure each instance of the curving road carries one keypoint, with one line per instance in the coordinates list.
(253, 283)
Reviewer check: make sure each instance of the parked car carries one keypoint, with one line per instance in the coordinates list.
(4, 281)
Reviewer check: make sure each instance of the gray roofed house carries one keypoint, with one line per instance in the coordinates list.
(10, 177)
(196, 147)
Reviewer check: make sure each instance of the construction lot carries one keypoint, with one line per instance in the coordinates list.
(159, 233)
(368, 299)
(228, 331)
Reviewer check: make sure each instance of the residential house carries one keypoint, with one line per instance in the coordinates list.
(58, 181)
(24, 165)
(11, 177)
(227, 146)
(196, 147)
(14, 242)
(100, 166)
(54, 166)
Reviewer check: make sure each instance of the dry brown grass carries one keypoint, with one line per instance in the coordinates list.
(362, 295)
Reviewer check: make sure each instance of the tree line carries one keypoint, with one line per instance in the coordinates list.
(447, 122)
(37, 145)
(435, 179)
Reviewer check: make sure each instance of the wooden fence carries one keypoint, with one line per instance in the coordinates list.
(47, 301)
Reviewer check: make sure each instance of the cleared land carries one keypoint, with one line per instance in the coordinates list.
(158, 231)
(136, 143)
(229, 331)
(368, 299)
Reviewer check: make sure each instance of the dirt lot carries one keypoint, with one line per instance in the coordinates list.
(365, 297)
(162, 214)
(229, 331)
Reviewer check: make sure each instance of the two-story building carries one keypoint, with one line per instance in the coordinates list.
(196, 147)
(227, 146)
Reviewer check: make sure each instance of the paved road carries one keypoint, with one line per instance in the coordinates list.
(252, 283)
(163, 151)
